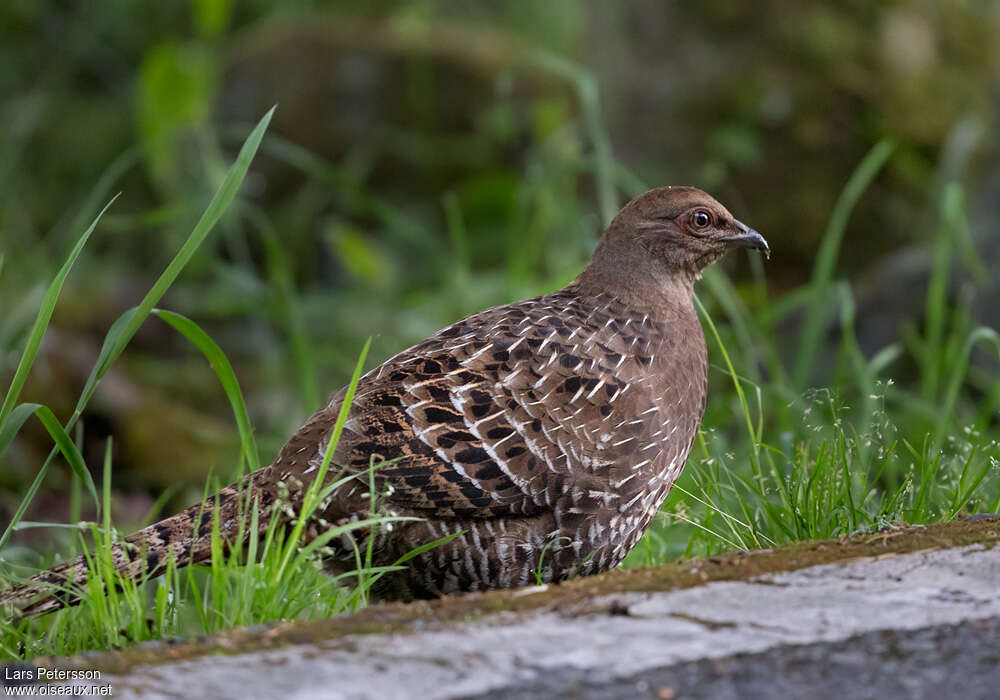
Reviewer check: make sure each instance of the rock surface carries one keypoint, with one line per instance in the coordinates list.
(917, 624)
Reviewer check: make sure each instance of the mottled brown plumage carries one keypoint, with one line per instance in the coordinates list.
(548, 431)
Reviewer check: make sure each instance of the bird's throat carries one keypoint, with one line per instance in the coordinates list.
(641, 282)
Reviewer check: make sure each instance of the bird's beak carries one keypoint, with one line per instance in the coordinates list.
(747, 238)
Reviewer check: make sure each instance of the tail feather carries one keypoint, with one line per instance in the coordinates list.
(186, 538)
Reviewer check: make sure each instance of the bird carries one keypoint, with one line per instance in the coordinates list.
(535, 441)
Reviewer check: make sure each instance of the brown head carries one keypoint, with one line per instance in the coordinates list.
(666, 236)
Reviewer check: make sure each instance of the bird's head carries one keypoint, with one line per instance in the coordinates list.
(680, 229)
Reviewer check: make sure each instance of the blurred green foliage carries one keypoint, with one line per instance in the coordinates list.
(429, 159)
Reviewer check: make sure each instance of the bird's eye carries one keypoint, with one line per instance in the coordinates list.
(700, 219)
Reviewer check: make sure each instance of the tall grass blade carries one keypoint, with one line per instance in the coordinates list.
(290, 305)
(826, 259)
(983, 334)
(744, 405)
(312, 496)
(220, 202)
(128, 323)
(42, 321)
(227, 377)
(590, 102)
(64, 443)
(937, 289)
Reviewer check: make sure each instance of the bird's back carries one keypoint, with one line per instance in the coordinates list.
(545, 434)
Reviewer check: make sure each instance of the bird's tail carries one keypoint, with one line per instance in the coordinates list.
(186, 538)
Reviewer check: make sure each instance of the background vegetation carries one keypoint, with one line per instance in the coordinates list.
(429, 159)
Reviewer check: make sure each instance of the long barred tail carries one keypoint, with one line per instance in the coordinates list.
(186, 537)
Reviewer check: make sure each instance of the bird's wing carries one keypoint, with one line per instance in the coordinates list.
(500, 414)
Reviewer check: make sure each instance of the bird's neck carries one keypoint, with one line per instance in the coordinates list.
(639, 281)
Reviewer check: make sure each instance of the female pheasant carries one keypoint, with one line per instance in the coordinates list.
(545, 433)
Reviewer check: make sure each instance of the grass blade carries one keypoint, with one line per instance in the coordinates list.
(62, 439)
(937, 289)
(588, 93)
(983, 334)
(42, 320)
(220, 202)
(312, 496)
(227, 377)
(128, 323)
(828, 253)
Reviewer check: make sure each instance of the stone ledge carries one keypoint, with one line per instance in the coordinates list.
(611, 635)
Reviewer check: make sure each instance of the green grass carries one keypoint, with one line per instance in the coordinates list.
(277, 576)
(906, 435)
(862, 455)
